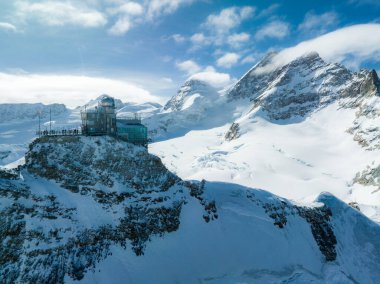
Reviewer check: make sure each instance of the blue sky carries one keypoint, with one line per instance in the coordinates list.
(153, 46)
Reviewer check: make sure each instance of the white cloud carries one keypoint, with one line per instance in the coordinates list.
(70, 90)
(128, 13)
(249, 59)
(7, 27)
(268, 11)
(157, 8)
(275, 29)
(219, 27)
(178, 38)
(129, 8)
(354, 43)
(167, 80)
(216, 79)
(319, 23)
(228, 19)
(53, 13)
(228, 59)
(198, 38)
(189, 66)
(121, 26)
(207, 74)
(235, 40)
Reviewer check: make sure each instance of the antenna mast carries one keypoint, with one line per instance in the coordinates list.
(50, 120)
(39, 123)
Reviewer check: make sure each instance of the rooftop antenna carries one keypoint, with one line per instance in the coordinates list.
(50, 119)
(85, 120)
(39, 123)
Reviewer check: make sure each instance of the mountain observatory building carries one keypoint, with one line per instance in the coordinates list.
(100, 119)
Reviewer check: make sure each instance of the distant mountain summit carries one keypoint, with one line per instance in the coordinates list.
(304, 85)
(192, 107)
(26, 112)
(287, 93)
(193, 90)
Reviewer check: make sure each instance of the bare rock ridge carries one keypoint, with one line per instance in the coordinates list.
(302, 86)
(43, 234)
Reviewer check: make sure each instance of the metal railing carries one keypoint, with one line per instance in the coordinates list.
(60, 132)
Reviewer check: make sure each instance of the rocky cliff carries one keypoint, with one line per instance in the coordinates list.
(98, 209)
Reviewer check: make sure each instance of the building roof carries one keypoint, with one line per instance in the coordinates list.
(121, 123)
(107, 101)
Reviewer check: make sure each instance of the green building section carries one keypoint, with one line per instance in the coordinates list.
(100, 119)
(135, 133)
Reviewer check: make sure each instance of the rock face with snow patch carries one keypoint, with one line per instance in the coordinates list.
(302, 86)
(50, 208)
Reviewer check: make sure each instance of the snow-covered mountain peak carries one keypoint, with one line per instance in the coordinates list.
(306, 84)
(266, 60)
(191, 90)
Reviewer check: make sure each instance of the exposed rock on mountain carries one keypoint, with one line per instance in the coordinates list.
(76, 197)
(303, 86)
(99, 209)
(308, 124)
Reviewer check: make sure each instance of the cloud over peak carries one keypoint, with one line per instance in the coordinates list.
(188, 66)
(351, 45)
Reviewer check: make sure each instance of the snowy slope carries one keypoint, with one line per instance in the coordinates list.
(304, 128)
(124, 218)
